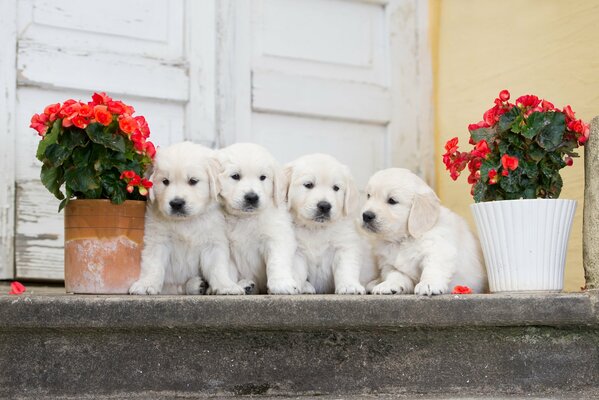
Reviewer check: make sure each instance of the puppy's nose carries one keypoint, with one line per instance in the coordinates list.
(177, 204)
(251, 198)
(368, 216)
(324, 206)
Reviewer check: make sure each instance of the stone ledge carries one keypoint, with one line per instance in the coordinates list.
(299, 312)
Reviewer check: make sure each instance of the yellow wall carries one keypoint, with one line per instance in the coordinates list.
(545, 47)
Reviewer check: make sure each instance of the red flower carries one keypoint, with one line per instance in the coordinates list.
(569, 161)
(481, 149)
(569, 113)
(127, 124)
(39, 123)
(17, 288)
(127, 174)
(52, 111)
(481, 124)
(119, 108)
(100, 98)
(143, 126)
(461, 290)
(102, 115)
(146, 183)
(504, 95)
(528, 100)
(80, 122)
(86, 110)
(70, 109)
(547, 106)
(452, 145)
(493, 177)
(509, 162)
(150, 149)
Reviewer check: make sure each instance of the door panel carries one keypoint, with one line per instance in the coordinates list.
(133, 50)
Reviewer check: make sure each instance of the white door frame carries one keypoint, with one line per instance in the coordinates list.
(8, 85)
(411, 143)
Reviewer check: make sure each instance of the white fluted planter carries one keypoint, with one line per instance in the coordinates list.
(525, 242)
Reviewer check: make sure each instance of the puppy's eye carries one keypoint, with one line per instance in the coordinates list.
(368, 195)
(391, 201)
(308, 185)
(262, 177)
(193, 181)
(336, 188)
(165, 182)
(236, 177)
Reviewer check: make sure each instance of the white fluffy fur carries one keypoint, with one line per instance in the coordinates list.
(181, 248)
(261, 238)
(421, 247)
(331, 254)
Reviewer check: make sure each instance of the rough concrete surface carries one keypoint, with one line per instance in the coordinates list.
(264, 346)
(590, 229)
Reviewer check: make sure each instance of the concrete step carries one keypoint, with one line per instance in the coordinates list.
(65, 346)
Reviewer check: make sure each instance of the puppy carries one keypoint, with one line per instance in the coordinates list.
(258, 225)
(185, 237)
(421, 247)
(323, 201)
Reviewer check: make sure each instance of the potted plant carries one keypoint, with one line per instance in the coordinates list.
(518, 150)
(93, 158)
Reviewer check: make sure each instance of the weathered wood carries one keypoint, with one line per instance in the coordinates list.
(200, 44)
(412, 141)
(8, 36)
(590, 230)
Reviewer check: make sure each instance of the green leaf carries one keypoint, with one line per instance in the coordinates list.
(48, 139)
(479, 191)
(82, 155)
(536, 153)
(530, 169)
(507, 120)
(487, 134)
(73, 138)
(551, 134)
(81, 180)
(510, 183)
(535, 122)
(56, 154)
(98, 134)
(52, 179)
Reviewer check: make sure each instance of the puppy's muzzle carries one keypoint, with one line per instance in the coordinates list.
(323, 211)
(369, 219)
(250, 200)
(177, 206)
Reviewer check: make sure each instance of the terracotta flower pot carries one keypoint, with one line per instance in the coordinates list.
(103, 244)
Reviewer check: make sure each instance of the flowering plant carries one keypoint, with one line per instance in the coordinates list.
(96, 150)
(518, 149)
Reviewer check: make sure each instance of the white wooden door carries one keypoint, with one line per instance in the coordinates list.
(349, 78)
(141, 51)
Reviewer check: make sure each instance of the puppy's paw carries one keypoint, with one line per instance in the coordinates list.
(350, 288)
(391, 288)
(196, 285)
(427, 288)
(307, 288)
(144, 287)
(232, 290)
(282, 286)
(249, 286)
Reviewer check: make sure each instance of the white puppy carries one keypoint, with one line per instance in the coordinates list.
(421, 247)
(258, 225)
(323, 201)
(184, 238)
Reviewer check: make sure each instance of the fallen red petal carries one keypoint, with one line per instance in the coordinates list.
(17, 288)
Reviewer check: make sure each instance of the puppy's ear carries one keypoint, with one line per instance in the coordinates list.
(423, 214)
(214, 168)
(281, 182)
(352, 195)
